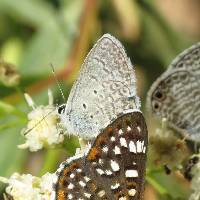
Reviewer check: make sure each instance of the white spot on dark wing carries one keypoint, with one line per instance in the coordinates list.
(132, 147)
(132, 192)
(142, 145)
(87, 195)
(100, 171)
(122, 198)
(114, 165)
(100, 161)
(105, 149)
(120, 132)
(139, 146)
(144, 149)
(70, 186)
(123, 142)
(131, 173)
(94, 163)
(101, 193)
(72, 175)
(70, 196)
(86, 178)
(139, 129)
(108, 172)
(79, 170)
(128, 128)
(117, 150)
(115, 186)
(112, 138)
(81, 183)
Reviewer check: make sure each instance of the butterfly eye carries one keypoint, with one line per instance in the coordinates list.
(61, 109)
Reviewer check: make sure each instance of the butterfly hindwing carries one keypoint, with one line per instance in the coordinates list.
(114, 167)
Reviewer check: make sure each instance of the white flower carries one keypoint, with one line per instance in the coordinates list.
(43, 128)
(28, 187)
(46, 185)
(195, 184)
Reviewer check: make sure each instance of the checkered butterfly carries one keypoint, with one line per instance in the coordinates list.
(113, 168)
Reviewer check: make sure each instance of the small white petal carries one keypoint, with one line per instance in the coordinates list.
(29, 100)
(50, 95)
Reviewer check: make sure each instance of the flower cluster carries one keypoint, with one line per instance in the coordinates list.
(29, 187)
(166, 149)
(43, 128)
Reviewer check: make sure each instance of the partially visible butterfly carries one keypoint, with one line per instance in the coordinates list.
(175, 95)
(114, 167)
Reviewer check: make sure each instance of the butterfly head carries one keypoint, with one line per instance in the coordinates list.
(61, 109)
(65, 118)
(72, 122)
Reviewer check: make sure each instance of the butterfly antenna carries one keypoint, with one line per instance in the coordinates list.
(43, 118)
(59, 86)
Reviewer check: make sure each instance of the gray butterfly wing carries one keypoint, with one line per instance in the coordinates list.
(104, 89)
(187, 60)
(175, 95)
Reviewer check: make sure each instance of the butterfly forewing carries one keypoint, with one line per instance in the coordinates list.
(114, 167)
(176, 94)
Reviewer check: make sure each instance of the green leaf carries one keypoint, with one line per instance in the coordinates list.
(168, 184)
(47, 46)
(32, 12)
(11, 158)
(6, 108)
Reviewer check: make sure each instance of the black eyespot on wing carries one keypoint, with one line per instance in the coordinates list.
(156, 106)
(159, 95)
(61, 109)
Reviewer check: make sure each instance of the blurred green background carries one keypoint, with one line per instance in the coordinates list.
(37, 33)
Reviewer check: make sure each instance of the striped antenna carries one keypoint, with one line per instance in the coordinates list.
(59, 86)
